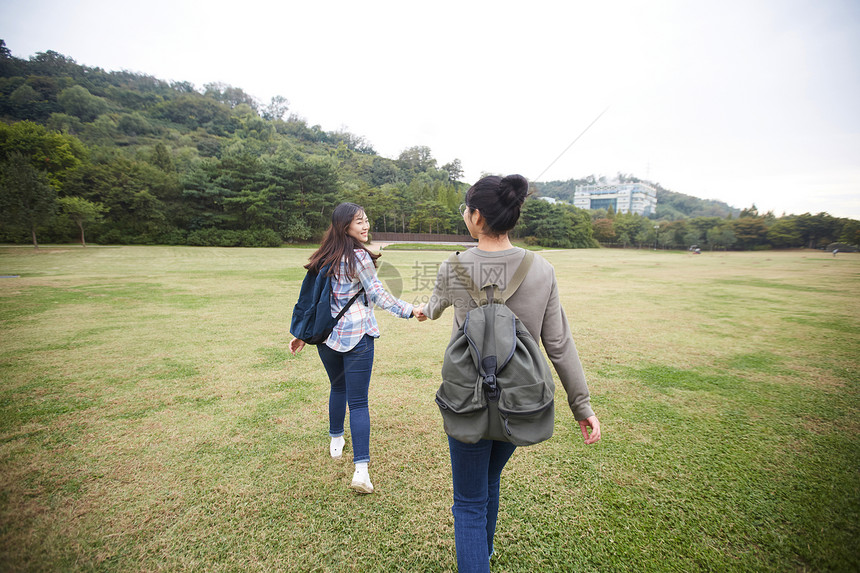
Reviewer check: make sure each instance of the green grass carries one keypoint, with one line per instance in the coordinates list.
(151, 418)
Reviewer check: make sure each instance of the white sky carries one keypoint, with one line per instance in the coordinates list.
(745, 101)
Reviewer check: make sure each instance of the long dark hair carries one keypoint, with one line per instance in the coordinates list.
(337, 245)
(499, 200)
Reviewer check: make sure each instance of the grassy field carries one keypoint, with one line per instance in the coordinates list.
(152, 419)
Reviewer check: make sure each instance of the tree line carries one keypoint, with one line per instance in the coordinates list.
(126, 158)
(749, 231)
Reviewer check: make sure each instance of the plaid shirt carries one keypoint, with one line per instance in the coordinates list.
(359, 319)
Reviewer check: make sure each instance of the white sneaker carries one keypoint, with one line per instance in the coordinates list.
(336, 447)
(361, 481)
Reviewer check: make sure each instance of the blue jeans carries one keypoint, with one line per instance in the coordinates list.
(476, 470)
(349, 374)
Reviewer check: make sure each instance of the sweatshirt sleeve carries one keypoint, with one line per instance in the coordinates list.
(561, 350)
(376, 292)
(441, 297)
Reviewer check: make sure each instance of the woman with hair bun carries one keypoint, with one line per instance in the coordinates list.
(491, 210)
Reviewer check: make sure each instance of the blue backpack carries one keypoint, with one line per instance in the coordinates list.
(312, 321)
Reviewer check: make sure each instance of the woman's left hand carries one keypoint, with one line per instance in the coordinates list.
(296, 345)
(593, 423)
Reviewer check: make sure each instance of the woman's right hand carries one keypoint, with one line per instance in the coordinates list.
(296, 345)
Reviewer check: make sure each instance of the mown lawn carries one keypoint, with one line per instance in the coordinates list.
(152, 418)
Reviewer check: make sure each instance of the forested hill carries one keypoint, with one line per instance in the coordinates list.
(671, 206)
(169, 162)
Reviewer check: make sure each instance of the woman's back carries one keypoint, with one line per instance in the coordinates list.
(528, 302)
(536, 303)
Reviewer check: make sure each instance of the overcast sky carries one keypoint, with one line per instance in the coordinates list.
(750, 101)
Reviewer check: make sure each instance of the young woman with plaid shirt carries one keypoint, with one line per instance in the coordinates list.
(347, 355)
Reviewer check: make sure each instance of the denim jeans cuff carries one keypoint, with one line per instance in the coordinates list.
(335, 434)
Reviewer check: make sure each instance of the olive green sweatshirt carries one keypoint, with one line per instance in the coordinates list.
(535, 302)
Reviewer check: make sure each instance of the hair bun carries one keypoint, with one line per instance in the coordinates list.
(514, 189)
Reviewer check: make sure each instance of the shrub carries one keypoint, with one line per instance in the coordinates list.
(111, 237)
(843, 247)
(261, 238)
(227, 238)
(172, 237)
(213, 238)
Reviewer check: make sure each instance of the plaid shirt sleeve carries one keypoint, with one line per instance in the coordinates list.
(376, 292)
(359, 319)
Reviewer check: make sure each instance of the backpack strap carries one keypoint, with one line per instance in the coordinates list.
(519, 276)
(477, 295)
(323, 272)
(347, 305)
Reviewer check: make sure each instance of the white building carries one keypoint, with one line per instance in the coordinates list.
(623, 197)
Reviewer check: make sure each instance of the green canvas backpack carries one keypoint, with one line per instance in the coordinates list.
(496, 383)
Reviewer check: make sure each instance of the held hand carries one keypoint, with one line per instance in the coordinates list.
(418, 312)
(296, 345)
(593, 423)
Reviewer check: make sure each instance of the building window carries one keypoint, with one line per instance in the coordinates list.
(604, 203)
